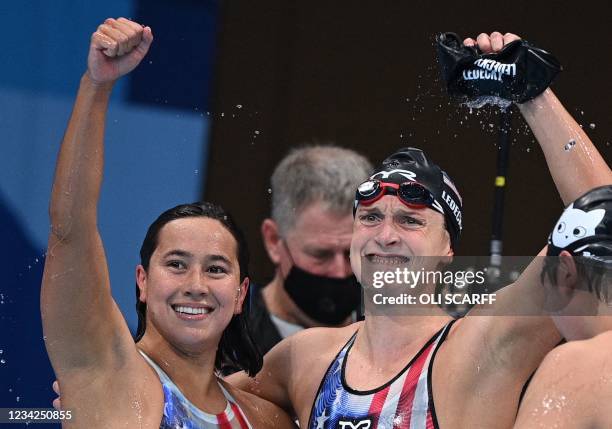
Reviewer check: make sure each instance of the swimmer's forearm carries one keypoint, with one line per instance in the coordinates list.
(575, 167)
(78, 174)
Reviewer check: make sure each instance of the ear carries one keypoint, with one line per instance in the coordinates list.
(141, 281)
(449, 252)
(241, 295)
(566, 272)
(272, 240)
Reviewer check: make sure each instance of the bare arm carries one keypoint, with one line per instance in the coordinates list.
(560, 392)
(271, 382)
(576, 170)
(82, 324)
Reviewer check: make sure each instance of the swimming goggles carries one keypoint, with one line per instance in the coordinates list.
(412, 194)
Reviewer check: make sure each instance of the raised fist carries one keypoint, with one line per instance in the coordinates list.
(116, 48)
(491, 43)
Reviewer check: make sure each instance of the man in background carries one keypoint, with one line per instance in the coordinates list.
(308, 238)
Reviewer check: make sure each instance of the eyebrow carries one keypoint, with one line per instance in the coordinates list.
(399, 210)
(185, 254)
(215, 258)
(177, 252)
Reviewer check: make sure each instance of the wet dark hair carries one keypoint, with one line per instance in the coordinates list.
(236, 347)
(593, 276)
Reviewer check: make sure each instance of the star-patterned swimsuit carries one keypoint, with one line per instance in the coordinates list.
(406, 401)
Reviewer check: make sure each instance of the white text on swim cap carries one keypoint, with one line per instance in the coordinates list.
(454, 207)
(489, 70)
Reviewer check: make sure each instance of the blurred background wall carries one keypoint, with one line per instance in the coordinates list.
(227, 89)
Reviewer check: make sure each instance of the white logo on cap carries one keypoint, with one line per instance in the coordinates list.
(385, 174)
(575, 224)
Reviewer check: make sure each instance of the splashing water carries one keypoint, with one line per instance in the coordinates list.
(492, 100)
(550, 403)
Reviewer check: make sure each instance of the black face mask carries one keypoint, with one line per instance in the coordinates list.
(325, 299)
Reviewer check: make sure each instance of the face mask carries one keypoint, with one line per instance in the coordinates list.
(325, 299)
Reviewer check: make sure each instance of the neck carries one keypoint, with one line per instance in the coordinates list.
(193, 373)
(389, 336)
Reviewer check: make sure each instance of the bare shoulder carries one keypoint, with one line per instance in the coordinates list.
(584, 360)
(259, 412)
(293, 368)
(308, 353)
(568, 385)
(323, 339)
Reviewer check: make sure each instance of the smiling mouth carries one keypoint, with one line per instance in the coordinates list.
(387, 259)
(181, 309)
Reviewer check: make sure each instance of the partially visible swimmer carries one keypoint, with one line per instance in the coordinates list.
(191, 285)
(573, 386)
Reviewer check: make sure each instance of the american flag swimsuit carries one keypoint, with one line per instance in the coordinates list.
(404, 402)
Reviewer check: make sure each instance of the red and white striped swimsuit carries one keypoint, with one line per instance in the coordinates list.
(404, 402)
(180, 413)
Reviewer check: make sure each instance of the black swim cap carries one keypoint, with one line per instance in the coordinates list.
(517, 73)
(585, 227)
(412, 165)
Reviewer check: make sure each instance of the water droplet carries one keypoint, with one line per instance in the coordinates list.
(239, 106)
(401, 136)
(222, 114)
(2, 361)
(150, 62)
(528, 149)
(196, 172)
(17, 399)
(570, 145)
(592, 126)
(257, 132)
(269, 190)
(582, 112)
